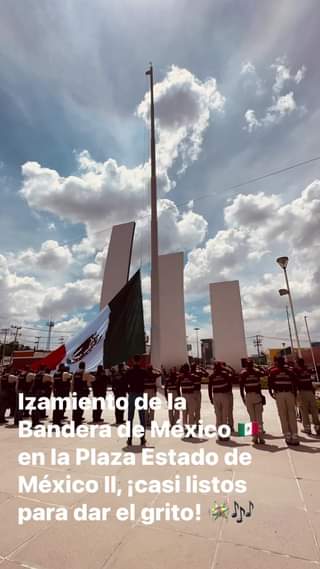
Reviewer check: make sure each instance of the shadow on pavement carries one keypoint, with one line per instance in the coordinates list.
(232, 443)
(269, 448)
(136, 449)
(193, 441)
(303, 448)
(266, 436)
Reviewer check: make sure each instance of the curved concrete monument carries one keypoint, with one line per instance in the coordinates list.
(117, 267)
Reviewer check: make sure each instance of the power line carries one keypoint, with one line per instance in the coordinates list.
(256, 179)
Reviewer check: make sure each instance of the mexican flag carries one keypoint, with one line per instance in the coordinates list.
(114, 336)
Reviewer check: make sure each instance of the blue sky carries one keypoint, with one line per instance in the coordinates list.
(236, 97)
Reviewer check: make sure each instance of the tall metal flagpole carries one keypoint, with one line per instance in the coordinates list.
(155, 294)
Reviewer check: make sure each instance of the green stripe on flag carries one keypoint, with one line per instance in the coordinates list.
(125, 335)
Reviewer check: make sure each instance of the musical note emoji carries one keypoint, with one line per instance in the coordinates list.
(251, 507)
(236, 508)
(242, 512)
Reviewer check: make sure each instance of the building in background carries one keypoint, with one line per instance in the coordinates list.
(271, 353)
(207, 351)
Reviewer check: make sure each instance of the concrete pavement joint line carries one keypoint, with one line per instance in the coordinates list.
(21, 497)
(219, 537)
(131, 527)
(21, 564)
(271, 552)
(31, 538)
(180, 531)
(106, 561)
(314, 535)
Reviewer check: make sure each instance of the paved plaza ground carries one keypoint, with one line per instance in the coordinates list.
(283, 531)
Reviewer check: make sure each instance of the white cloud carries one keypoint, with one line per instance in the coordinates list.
(251, 119)
(183, 108)
(104, 193)
(50, 257)
(72, 297)
(69, 327)
(19, 295)
(220, 257)
(83, 249)
(283, 74)
(251, 210)
(260, 225)
(247, 68)
(282, 105)
(300, 74)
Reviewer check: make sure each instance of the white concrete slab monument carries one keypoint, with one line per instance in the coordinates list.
(227, 323)
(117, 267)
(173, 346)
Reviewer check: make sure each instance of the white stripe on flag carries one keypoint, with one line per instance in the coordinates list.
(87, 345)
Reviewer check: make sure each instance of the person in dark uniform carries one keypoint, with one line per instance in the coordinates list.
(197, 373)
(150, 387)
(21, 386)
(58, 391)
(136, 377)
(99, 389)
(81, 389)
(250, 390)
(30, 375)
(120, 389)
(65, 389)
(47, 390)
(283, 388)
(219, 388)
(4, 395)
(232, 373)
(12, 381)
(37, 390)
(172, 386)
(186, 387)
(308, 404)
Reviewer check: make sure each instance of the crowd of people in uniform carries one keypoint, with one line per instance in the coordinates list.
(291, 385)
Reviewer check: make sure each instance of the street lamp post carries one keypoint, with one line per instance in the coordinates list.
(197, 335)
(283, 263)
(282, 292)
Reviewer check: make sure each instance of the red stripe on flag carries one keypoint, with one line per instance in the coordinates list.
(52, 360)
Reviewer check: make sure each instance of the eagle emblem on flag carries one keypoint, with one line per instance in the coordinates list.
(85, 348)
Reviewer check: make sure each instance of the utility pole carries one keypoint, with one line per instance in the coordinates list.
(50, 325)
(155, 295)
(257, 342)
(37, 340)
(17, 333)
(5, 332)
